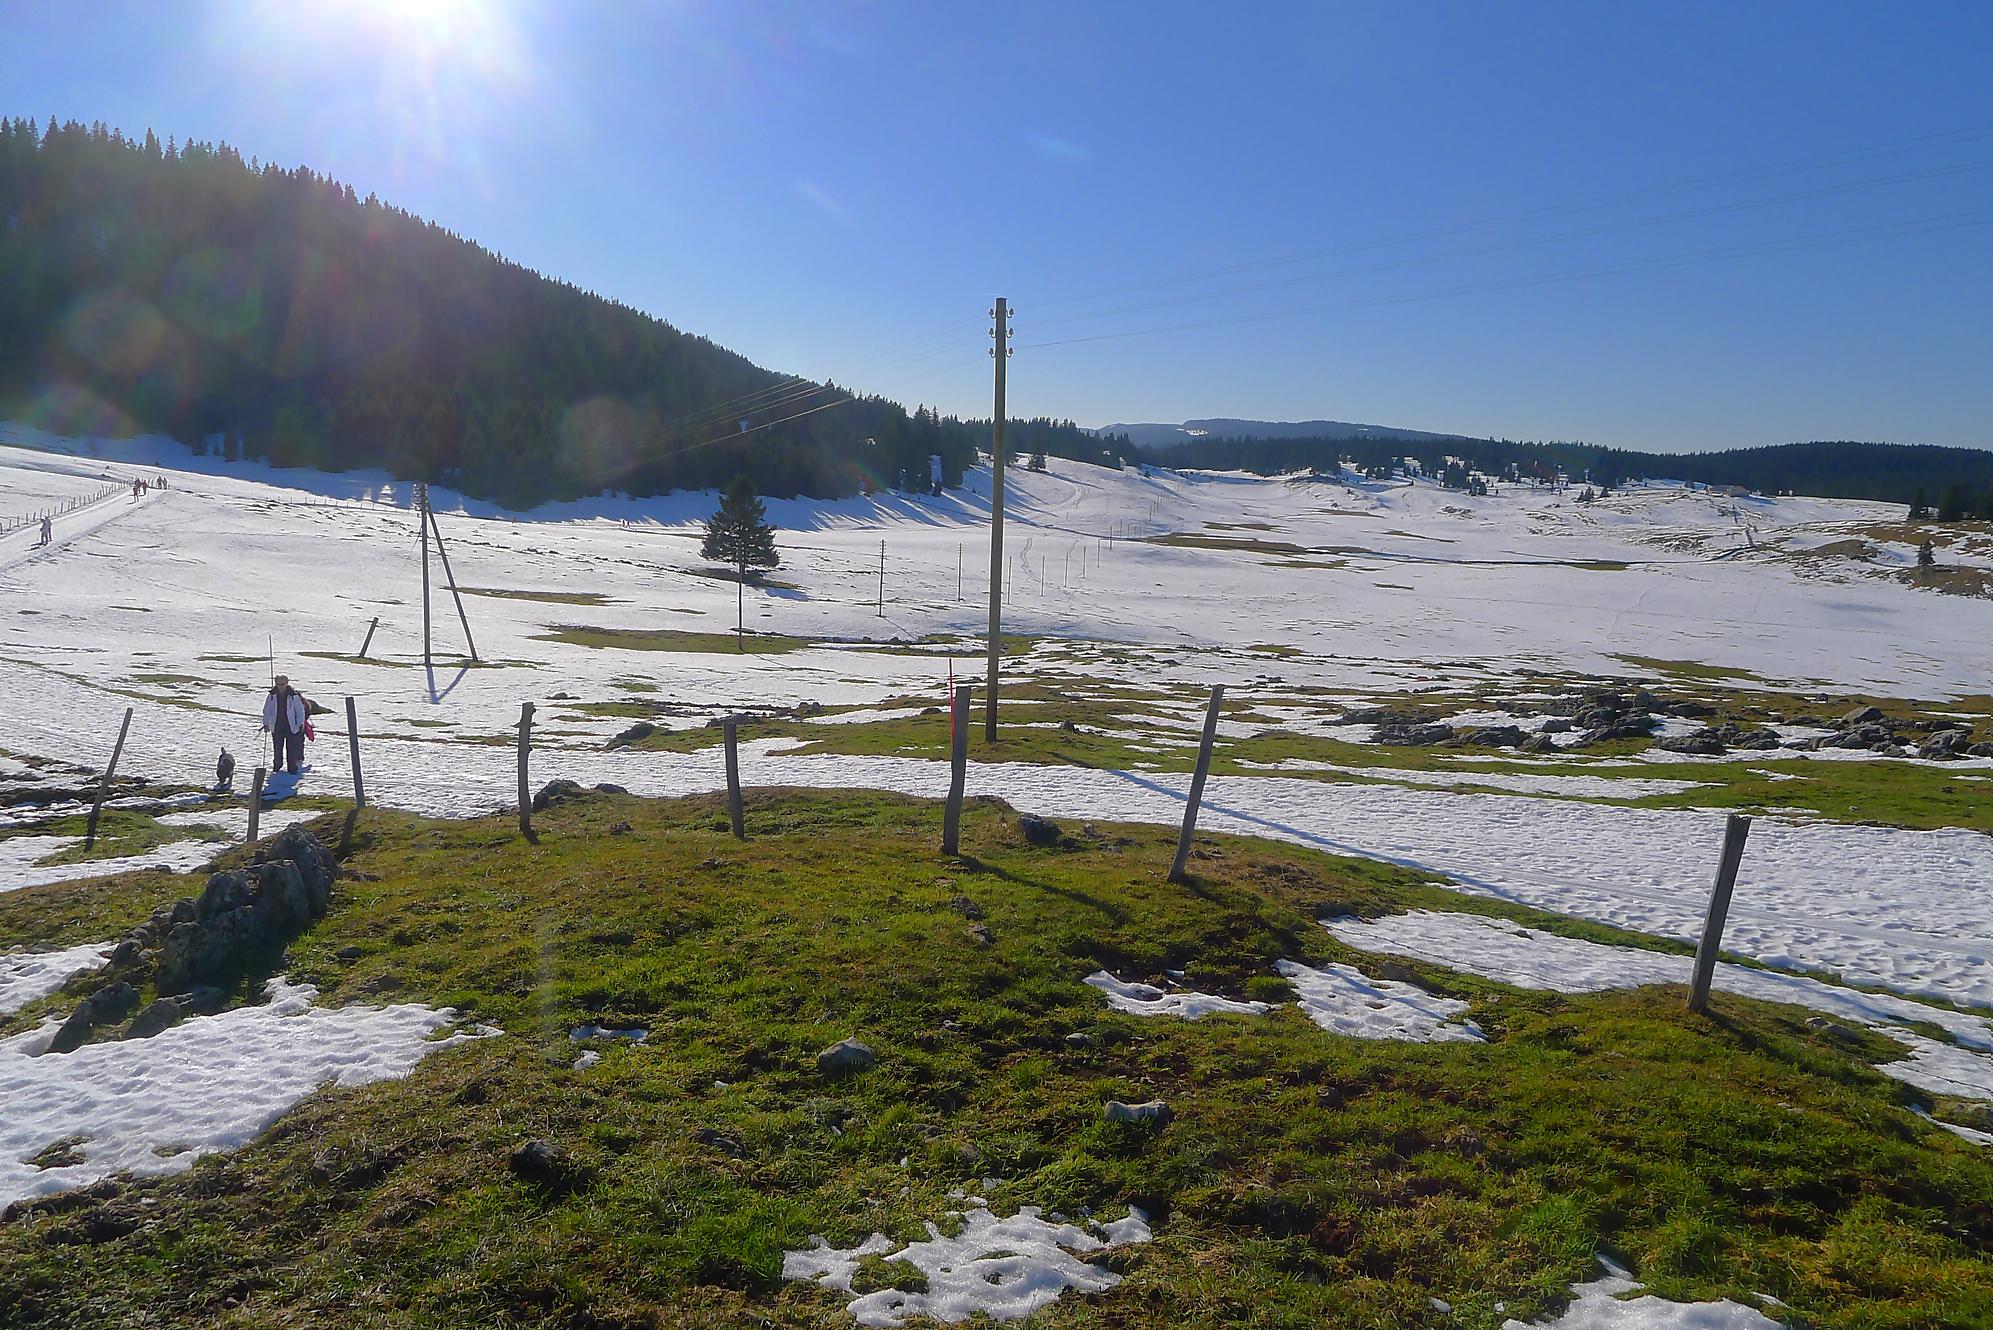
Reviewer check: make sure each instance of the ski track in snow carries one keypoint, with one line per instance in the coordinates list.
(157, 588)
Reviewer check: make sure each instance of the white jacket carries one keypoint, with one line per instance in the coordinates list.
(294, 712)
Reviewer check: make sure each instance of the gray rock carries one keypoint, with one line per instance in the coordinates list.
(1861, 716)
(1556, 725)
(1495, 736)
(545, 1165)
(1080, 1039)
(109, 1003)
(845, 1057)
(1154, 1113)
(1414, 736)
(1040, 831)
(643, 729)
(1700, 744)
(1540, 743)
(157, 1015)
(555, 793)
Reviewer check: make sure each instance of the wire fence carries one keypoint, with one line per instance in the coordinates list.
(9, 525)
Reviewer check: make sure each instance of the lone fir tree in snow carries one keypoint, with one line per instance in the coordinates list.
(1926, 554)
(1037, 462)
(1920, 509)
(739, 534)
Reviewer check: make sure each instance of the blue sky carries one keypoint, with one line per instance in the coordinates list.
(839, 190)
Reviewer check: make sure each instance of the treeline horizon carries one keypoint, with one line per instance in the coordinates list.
(1828, 469)
(181, 290)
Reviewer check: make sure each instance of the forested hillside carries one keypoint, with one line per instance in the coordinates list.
(1835, 470)
(181, 289)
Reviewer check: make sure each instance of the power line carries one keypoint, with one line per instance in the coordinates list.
(1916, 226)
(1852, 156)
(1524, 242)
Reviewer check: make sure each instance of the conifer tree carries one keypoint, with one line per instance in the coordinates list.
(1952, 505)
(1920, 508)
(739, 534)
(1037, 462)
(1926, 555)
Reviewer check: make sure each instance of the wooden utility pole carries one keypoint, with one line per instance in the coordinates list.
(353, 744)
(525, 748)
(117, 750)
(735, 815)
(422, 523)
(256, 802)
(740, 607)
(882, 579)
(958, 767)
(1735, 830)
(1178, 870)
(1002, 353)
(451, 577)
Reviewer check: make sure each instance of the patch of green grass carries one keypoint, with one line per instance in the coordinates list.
(120, 832)
(1684, 669)
(169, 680)
(544, 597)
(672, 639)
(1307, 1180)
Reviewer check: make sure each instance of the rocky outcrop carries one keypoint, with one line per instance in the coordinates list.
(241, 912)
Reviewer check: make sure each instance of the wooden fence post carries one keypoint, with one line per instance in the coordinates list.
(1734, 833)
(734, 813)
(525, 746)
(256, 803)
(90, 835)
(370, 636)
(353, 743)
(958, 770)
(1177, 873)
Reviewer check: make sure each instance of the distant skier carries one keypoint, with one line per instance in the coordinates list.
(285, 716)
(48, 531)
(225, 772)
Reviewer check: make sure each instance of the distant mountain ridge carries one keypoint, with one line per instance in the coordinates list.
(1157, 437)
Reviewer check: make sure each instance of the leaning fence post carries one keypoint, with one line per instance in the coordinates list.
(525, 746)
(958, 770)
(353, 743)
(90, 835)
(734, 815)
(1197, 786)
(370, 636)
(255, 803)
(1734, 832)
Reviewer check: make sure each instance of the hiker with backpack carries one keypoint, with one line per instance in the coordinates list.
(287, 716)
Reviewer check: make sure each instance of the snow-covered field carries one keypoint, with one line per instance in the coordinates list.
(180, 603)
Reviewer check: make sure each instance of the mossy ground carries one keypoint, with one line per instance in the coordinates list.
(1308, 1180)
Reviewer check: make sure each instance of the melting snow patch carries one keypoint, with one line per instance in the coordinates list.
(1941, 1068)
(1148, 1000)
(1503, 950)
(635, 1034)
(1600, 1306)
(1004, 1268)
(1340, 999)
(25, 976)
(151, 1106)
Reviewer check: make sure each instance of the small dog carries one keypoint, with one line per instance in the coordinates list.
(225, 772)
